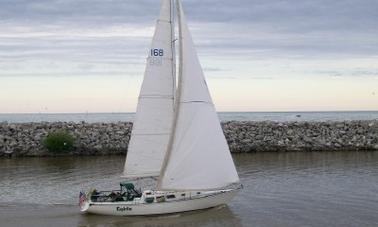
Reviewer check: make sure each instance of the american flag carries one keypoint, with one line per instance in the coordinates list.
(82, 198)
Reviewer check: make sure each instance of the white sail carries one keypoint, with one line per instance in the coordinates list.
(153, 120)
(199, 158)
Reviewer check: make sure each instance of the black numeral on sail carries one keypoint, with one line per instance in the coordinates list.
(156, 56)
(157, 52)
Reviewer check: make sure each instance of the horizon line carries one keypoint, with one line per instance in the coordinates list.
(278, 111)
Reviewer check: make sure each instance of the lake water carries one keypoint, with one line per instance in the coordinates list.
(280, 189)
(224, 116)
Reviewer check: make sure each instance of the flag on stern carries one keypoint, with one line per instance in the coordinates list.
(82, 198)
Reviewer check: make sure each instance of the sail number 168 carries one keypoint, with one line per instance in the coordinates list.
(157, 52)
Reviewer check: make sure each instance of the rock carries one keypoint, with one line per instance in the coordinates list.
(98, 147)
(339, 125)
(8, 152)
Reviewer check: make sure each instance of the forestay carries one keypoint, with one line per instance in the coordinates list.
(200, 157)
(152, 124)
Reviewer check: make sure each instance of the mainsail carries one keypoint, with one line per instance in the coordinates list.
(153, 119)
(199, 157)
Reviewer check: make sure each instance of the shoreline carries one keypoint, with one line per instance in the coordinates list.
(25, 139)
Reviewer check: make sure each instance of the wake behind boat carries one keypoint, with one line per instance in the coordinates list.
(176, 136)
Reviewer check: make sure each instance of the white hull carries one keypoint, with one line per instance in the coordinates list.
(206, 200)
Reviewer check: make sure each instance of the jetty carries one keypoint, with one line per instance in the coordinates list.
(25, 139)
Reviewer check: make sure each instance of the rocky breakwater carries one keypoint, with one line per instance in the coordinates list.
(25, 139)
(301, 136)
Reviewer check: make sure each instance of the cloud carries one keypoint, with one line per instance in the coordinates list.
(93, 12)
(62, 36)
(357, 72)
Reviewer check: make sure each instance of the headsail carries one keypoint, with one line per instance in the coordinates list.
(152, 124)
(200, 157)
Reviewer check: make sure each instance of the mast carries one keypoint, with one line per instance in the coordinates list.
(173, 48)
(177, 99)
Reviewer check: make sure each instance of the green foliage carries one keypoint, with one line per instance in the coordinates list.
(59, 142)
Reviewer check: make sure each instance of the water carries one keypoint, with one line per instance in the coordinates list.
(280, 189)
(224, 116)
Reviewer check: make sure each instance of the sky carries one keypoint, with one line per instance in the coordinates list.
(79, 56)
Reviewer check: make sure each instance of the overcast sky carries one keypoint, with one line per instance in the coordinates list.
(267, 55)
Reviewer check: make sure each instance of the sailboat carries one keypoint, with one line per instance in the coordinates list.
(176, 136)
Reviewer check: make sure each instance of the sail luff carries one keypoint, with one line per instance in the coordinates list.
(177, 100)
(153, 119)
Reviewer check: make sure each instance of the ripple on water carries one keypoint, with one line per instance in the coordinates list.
(280, 189)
